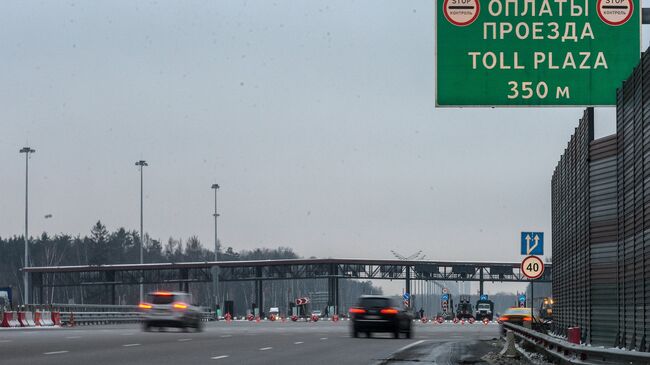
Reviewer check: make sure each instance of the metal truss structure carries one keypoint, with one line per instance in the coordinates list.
(262, 270)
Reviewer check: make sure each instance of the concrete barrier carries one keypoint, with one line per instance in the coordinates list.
(43, 319)
(46, 319)
(29, 317)
(56, 318)
(8, 320)
(23, 320)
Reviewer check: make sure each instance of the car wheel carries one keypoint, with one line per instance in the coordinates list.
(199, 326)
(408, 333)
(355, 333)
(368, 334)
(396, 333)
(146, 327)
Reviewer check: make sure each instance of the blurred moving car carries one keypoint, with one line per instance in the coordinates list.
(170, 309)
(516, 315)
(380, 314)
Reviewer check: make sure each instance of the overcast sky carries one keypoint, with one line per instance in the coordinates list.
(317, 118)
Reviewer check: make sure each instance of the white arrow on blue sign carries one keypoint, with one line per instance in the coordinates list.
(532, 243)
(484, 297)
(445, 297)
(406, 296)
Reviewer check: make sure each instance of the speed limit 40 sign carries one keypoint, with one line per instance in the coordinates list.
(532, 267)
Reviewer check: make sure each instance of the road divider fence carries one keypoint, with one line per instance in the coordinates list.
(568, 352)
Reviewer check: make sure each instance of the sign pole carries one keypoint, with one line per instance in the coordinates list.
(532, 303)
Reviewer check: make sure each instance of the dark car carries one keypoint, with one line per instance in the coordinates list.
(170, 309)
(380, 314)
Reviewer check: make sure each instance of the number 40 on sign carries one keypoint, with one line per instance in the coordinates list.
(532, 267)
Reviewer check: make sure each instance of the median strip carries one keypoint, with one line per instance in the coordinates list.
(265, 348)
(219, 357)
(131, 344)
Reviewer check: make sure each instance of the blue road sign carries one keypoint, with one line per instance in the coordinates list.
(406, 296)
(522, 300)
(484, 297)
(445, 297)
(532, 243)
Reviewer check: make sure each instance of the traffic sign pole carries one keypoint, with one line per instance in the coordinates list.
(532, 303)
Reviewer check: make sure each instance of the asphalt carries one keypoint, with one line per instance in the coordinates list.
(246, 343)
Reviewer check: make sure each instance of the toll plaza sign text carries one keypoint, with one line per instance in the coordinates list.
(534, 52)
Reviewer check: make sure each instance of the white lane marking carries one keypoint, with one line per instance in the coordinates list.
(54, 352)
(323, 338)
(219, 357)
(409, 346)
(5, 341)
(131, 344)
(298, 343)
(225, 336)
(265, 348)
(73, 337)
(184, 339)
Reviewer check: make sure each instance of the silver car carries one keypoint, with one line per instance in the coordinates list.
(170, 309)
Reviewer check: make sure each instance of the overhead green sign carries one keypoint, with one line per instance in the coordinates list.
(534, 52)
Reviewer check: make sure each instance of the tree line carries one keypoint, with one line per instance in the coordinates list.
(122, 246)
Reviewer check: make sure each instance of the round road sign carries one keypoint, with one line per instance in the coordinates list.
(615, 12)
(462, 12)
(532, 267)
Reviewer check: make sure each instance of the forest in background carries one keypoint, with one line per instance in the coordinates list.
(122, 246)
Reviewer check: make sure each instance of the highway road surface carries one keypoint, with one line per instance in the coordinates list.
(246, 343)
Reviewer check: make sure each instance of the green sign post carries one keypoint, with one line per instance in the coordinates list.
(534, 52)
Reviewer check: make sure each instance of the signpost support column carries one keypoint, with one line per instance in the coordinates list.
(480, 276)
(408, 283)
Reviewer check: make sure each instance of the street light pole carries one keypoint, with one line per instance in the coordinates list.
(26, 151)
(215, 269)
(141, 164)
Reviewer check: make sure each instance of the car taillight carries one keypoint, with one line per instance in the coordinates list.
(144, 306)
(179, 305)
(357, 310)
(503, 318)
(528, 319)
(388, 311)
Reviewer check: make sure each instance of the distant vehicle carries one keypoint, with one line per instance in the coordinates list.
(170, 309)
(518, 316)
(317, 313)
(484, 309)
(274, 310)
(464, 309)
(546, 310)
(380, 314)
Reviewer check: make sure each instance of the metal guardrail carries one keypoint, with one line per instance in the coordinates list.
(89, 307)
(92, 318)
(94, 314)
(571, 353)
